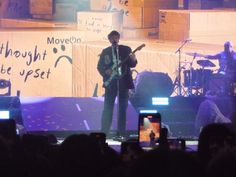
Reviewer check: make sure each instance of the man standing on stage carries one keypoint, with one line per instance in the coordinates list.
(114, 66)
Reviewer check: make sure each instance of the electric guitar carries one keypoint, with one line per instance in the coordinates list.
(115, 66)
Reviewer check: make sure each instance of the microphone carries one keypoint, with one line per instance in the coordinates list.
(117, 52)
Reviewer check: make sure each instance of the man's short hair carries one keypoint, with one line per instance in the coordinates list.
(113, 33)
(228, 43)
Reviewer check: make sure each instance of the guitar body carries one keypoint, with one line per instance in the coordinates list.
(112, 77)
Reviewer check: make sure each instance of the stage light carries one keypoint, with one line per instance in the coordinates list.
(146, 111)
(160, 101)
(4, 114)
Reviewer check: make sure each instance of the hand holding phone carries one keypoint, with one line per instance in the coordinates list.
(149, 128)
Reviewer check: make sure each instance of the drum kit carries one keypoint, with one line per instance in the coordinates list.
(196, 82)
(199, 81)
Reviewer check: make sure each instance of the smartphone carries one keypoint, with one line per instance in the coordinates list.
(149, 128)
(177, 144)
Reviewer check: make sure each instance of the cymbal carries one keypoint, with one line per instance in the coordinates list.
(194, 54)
(205, 63)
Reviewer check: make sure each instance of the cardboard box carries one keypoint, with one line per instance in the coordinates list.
(137, 13)
(65, 12)
(199, 25)
(18, 9)
(119, 4)
(203, 4)
(99, 24)
(139, 3)
(230, 3)
(41, 7)
(140, 33)
(3, 7)
(106, 5)
(138, 17)
(99, 5)
(150, 17)
(133, 17)
(176, 35)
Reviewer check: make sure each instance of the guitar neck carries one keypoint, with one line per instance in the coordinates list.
(131, 53)
(123, 61)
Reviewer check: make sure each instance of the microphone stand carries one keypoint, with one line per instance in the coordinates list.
(191, 76)
(116, 47)
(179, 86)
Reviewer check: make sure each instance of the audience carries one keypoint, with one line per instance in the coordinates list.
(89, 156)
(223, 164)
(213, 139)
(165, 163)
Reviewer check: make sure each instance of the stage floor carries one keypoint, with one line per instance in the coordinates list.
(68, 115)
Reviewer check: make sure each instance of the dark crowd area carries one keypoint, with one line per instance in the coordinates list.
(88, 155)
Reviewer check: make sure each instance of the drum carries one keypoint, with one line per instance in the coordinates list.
(153, 84)
(220, 84)
(199, 78)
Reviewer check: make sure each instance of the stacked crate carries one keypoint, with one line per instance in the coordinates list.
(193, 4)
(14, 9)
(43, 13)
(140, 17)
(3, 8)
(42, 9)
(230, 3)
(174, 25)
(208, 26)
(202, 4)
(65, 12)
(62, 10)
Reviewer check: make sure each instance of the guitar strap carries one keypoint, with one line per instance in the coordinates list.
(116, 60)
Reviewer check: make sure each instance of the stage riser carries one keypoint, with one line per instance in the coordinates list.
(181, 112)
(68, 115)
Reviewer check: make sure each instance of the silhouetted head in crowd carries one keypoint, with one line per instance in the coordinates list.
(4, 149)
(130, 151)
(35, 143)
(214, 138)
(80, 155)
(222, 165)
(165, 163)
(233, 117)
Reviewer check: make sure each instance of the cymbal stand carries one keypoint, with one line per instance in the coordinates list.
(203, 81)
(178, 79)
(190, 88)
